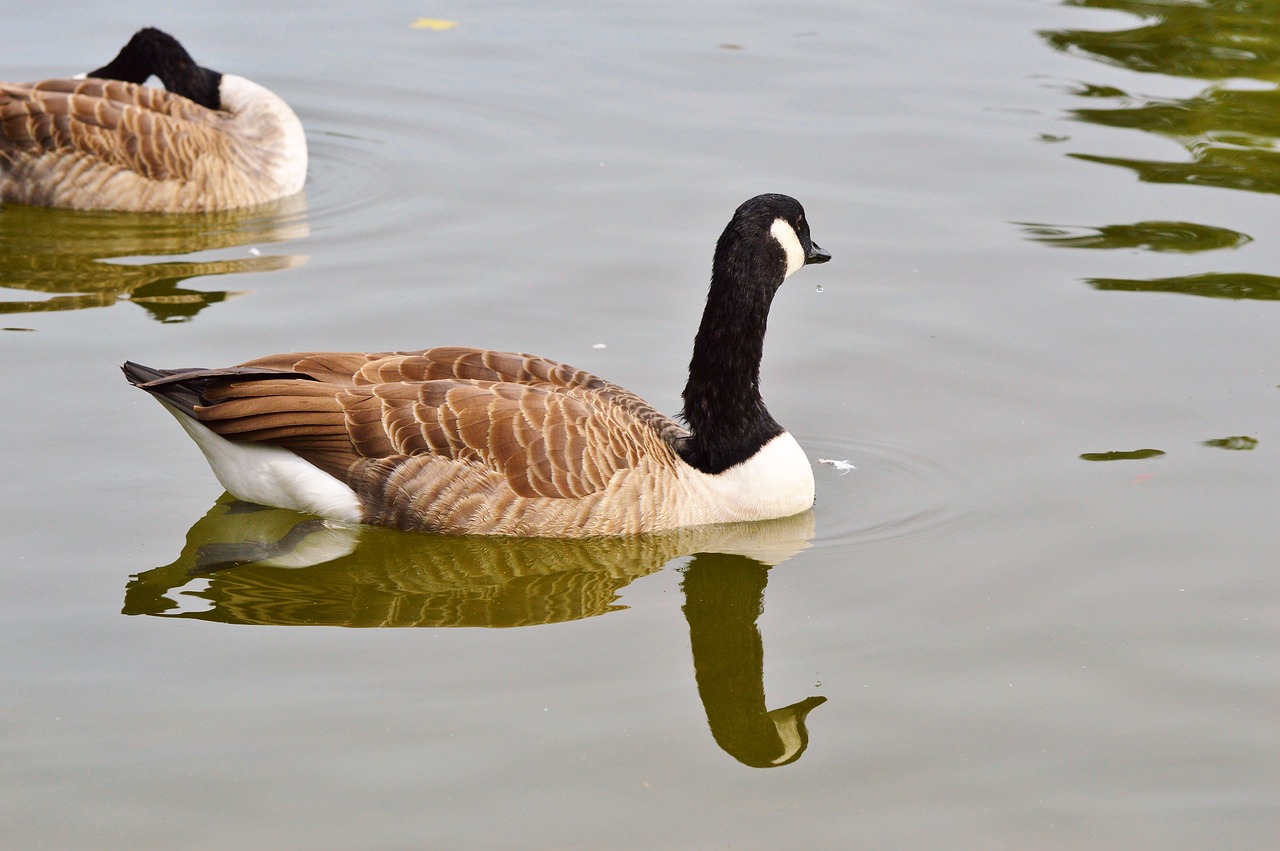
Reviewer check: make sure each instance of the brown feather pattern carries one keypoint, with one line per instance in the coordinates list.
(463, 440)
(112, 145)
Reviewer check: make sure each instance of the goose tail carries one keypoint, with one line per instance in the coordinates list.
(137, 374)
(162, 384)
(184, 389)
(252, 471)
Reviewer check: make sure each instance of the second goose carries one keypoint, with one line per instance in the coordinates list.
(208, 141)
(472, 441)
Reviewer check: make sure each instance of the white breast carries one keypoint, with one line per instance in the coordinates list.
(775, 482)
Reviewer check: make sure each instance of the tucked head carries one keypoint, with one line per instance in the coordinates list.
(153, 52)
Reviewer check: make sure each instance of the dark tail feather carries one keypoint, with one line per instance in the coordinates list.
(184, 388)
(185, 397)
(137, 374)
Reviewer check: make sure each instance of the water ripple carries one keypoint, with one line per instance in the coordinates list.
(354, 180)
(893, 493)
(385, 159)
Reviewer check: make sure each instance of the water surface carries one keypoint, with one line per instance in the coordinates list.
(1039, 611)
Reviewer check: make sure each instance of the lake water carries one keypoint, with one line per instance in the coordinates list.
(1040, 611)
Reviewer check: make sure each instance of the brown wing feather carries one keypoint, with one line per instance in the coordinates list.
(539, 439)
(148, 131)
(331, 367)
(546, 429)
(469, 364)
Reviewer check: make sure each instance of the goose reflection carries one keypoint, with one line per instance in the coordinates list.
(245, 564)
(724, 595)
(84, 260)
(365, 576)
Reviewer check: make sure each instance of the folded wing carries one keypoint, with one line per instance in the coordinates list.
(547, 429)
(148, 131)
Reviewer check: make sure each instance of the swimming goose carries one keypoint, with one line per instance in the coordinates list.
(471, 441)
(210, 142)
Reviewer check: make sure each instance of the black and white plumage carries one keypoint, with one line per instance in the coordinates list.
(471, 441)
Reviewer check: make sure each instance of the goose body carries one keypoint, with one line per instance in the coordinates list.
(208, 141)
(472, 441)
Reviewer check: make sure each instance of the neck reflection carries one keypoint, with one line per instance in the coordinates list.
(724, 596)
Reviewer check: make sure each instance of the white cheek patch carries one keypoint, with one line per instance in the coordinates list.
(785, 234)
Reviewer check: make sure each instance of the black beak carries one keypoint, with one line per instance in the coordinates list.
(816, 254)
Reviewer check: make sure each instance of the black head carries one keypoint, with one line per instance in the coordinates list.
(152, 52)
(776, 218)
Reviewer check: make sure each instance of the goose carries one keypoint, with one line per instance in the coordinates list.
(208, 141)
(473, 441)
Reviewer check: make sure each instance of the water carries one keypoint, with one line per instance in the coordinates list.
(1039, 612)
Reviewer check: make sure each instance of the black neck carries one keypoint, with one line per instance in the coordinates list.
(722, 404)
(152, 52)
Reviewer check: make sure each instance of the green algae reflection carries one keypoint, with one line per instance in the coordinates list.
(1228, 129)
(1179, 237)
(1125, 455)
(1232, 285)
(1208, 39)
(1236, 443)
(1229, 132)
(1163, 237)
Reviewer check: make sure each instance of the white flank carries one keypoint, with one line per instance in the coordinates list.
(262, 111)
(269, 475)
(785, 234)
